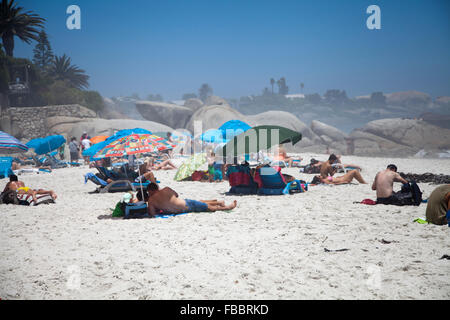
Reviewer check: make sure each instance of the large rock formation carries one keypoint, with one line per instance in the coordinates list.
(171, 115)
(193, 104)
(416, 134)
(367, 144)
(330, 133)
(409, 99)
(76, 126)
(212, 117)
(32, 122)
(216, 101)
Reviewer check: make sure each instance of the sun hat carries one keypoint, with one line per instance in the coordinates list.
(127, 197)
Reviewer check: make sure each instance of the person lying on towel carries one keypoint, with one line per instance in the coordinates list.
(168, 201)
(384, 185)
(346, 178)
(18, 186)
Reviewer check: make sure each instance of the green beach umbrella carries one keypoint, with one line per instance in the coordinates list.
(190, 166)
(259, 138)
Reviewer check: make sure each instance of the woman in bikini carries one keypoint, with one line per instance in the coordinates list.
(346, 178)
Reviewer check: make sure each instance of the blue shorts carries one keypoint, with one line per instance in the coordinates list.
(196, 206)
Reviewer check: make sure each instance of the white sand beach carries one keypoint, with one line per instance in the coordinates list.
(269, 247)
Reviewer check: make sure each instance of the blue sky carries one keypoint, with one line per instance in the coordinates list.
(171, 47)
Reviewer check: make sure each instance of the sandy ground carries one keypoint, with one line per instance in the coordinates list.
(269, 247)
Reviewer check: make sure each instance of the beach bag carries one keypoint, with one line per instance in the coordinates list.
(416, 193)
(198, 175)
(410, 194)
(119, 209)
(136, 211)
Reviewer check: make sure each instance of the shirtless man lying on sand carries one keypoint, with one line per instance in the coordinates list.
(384, 184)
(168, 201)
(18, 186)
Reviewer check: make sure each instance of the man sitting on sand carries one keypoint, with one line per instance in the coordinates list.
(15, 185)
(326, 168)
(346, 178)
(167, 200)
(384, 185)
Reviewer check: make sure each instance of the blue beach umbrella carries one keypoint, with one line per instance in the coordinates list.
(232, 128)
(47, 144)
(212, 136)
(9, 144)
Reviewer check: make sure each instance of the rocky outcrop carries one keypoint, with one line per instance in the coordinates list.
(327, 132)
(212, 117)
(171, 115)
(32, 122)
(74, 127)
(416, 134)
(409, 99)
(194, 104)
(112, 110)
(369, 145)
(216, 101)
(442, 101)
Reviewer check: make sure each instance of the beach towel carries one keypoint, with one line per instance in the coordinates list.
(41, 199)
(368, 202)
(139, 211)
(5, 167)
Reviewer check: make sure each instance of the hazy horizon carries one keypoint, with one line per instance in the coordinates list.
(172, 48)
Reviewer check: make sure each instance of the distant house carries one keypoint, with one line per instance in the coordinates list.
(295, 96)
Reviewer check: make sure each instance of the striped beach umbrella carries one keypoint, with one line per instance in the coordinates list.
(134, 144)
(9, 144)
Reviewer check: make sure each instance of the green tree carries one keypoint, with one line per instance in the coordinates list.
(4, 72)
(272, 82)
(378, 99)
(43, 54)
(62, 69)
(155, 97)
(282, 87)
(14, 22)
(135, 96)
(204, 92)
(93, 100)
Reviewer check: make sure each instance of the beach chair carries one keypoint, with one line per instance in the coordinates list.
(5, 167)
(241, 180)
(115, 186)
(272, 182)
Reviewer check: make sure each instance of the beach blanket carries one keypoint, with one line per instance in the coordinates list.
(41, 199)
(140, 210)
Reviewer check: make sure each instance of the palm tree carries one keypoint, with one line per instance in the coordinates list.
(63, 70)
(15, 22)
(272, 82)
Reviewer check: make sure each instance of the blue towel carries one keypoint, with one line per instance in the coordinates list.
(94, 179)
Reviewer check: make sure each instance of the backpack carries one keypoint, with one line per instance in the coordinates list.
(411, 194)
(136, 210)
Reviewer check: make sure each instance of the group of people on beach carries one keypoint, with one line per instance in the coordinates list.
(168, 201)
